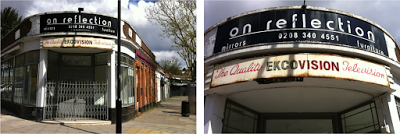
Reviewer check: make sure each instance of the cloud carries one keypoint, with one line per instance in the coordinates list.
(168, 54)
(135, 15)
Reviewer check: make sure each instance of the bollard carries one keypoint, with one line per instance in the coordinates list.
(185, 110)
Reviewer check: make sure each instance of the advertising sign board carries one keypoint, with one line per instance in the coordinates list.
(78, 22)
(86, 42)
(299, 65)
(296, 25)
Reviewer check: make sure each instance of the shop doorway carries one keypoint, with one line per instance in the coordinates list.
(76, 87)
(358, 119)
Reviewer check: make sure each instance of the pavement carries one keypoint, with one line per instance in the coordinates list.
(165, 118)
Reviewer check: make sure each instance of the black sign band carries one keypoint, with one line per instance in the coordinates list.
(299, 26)
(78, 22)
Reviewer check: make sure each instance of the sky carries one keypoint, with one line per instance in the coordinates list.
(131, 11)
(385, 13)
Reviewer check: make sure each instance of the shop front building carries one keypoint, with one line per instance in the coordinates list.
(160, 84)
(300, 69)
(62, 66)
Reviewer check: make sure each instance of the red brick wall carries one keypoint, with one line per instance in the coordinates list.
(145, 75)
(148, 51)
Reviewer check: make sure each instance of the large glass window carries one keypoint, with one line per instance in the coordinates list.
(33, 84)
(76, 60)
(398, 106)
(11, 84)
(53, 66)
(127, 81)
(361, 120)
(5, 87)
(7, 79)
(19, 78)
(101, 73)
(19, 84)
(238, 119)
(26, 85)
(30, 78)
(32, 57)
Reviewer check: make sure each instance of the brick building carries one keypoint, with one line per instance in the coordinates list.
(62, 66)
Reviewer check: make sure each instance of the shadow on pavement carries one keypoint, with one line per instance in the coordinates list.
(170, 107)
(171, 112)
(79, 129)
(7, 112)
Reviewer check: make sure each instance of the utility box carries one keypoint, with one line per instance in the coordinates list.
(192, 97)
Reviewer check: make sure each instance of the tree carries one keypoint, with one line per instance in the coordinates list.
(178, 22)
(9, 19)
(171, 65)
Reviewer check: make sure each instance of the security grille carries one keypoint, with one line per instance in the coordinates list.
(76, 101)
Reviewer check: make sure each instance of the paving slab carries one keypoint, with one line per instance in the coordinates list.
(165, 118)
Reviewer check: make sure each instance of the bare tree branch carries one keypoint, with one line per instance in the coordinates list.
(178, 22)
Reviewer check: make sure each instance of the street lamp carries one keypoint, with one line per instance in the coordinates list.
(119, 101)
(80, 9)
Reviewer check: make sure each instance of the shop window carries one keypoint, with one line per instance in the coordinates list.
(53, 66)
(398, 106)
(19, 60)
(125, 86)
(5, 87)
(132, 86)
(19, 84)
(32, 57)
(101, 68)
(7, 79)
(127, 81)
(2, 77)
(25, 99)
(361, 120)
(33, 84)
(53, 57)
(19, 78)
(76, 60)
(6, 76)
(4, 65)
(11, 63)
(11, 85)
(101, 59)
(238, 119)
(30, 72)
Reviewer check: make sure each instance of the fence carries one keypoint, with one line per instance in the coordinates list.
(76, 101)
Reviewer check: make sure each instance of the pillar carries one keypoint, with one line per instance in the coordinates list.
(214, 113)
(41, 85)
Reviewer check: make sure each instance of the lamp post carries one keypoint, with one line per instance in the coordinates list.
(80, 9)
(118, 125)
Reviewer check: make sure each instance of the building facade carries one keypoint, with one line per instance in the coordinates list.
(63, 66)
(300, 69)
